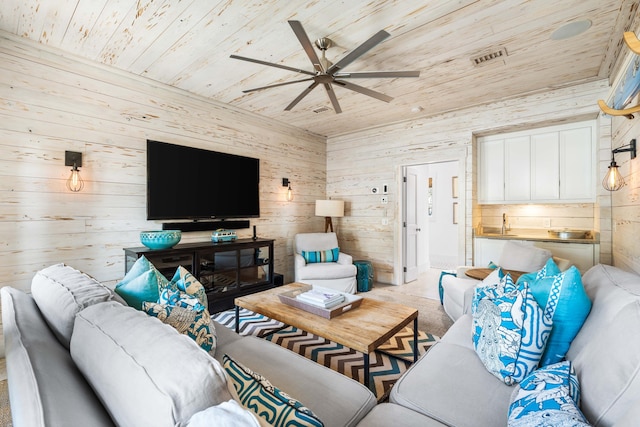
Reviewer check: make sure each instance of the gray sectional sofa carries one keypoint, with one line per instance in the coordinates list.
(64, 368)
(77, 357)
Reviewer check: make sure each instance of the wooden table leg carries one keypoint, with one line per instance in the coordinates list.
(237, 319)
(366, 369)
(415, 339)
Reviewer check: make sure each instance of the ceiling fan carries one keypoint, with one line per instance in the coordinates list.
(328, 74)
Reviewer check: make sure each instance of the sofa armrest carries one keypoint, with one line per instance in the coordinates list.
(462, 269)
(345, 259)
(299, 261)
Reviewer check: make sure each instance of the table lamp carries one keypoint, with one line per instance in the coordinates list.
(328, 209)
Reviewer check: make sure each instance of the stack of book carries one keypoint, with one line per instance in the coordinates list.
(322, 299)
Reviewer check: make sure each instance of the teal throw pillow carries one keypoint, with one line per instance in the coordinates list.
(186, 282)
(565, 301)
(268, 402)
(510, 330)
(330, 255)
(141, 283)
(549, 396)
(195, 324)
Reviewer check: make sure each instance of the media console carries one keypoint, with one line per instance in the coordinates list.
(226, 269)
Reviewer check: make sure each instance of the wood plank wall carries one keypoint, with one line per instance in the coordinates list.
(358, 161)
(50, 103)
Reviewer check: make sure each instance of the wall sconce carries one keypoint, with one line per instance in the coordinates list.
(287, 183)
(74, 158)
(613, 181)
(327, 209)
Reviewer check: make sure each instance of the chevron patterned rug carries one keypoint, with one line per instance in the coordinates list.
(388, 363)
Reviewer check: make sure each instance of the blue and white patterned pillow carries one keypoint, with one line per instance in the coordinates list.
(178, 298)
(330, 255)
(196, 324)
(565, 301)
(510, 329)
(548, 396)
(257, 394)
(186, 282)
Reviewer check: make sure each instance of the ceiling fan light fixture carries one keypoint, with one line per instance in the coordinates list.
(328, 74)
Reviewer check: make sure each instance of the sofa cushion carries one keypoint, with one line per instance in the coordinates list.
(547, 396)
(466, 395)
(326, 271)
(565, 301)
(510, 329)
(330, 255)
(145, 372)
(142, 283)
(334, 398)
(523, 256)
(61, 292)
(45, 385)
(196, 324)
(609, 368)
(389, 414)
(226, 414)
(268, 402)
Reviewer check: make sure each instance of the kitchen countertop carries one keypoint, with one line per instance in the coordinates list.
(531, 234)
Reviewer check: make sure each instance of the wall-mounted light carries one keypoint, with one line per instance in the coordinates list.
(328, 209)
(287, 183)
(74, 158)
(613, 181)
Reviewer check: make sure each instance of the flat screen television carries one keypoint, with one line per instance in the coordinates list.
(192, 183)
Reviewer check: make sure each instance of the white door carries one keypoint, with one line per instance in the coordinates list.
(410, 225)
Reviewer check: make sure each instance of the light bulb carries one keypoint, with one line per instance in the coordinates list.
(289, 193)
(613, 180)
(75, 183)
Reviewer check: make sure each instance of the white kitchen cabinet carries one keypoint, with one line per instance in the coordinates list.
(582, 255)
(547, 165)
(517, 169)
(491, 179)
(577, 164)
(545, 173)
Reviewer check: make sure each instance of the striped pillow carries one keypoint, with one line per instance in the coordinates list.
(269, 403)
(330, 255)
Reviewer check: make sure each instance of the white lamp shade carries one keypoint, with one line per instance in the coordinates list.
(330, 208)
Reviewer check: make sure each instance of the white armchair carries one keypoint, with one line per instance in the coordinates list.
(458, 290)
(340, 275)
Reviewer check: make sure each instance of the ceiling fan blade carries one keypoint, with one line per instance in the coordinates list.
(332, 97)
(301, 34)
(364, 91)
(276, 85)
(271, 64)
(359, 51)
(377, 74)
(302, 95)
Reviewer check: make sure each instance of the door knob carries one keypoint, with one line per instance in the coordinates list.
(417, 229)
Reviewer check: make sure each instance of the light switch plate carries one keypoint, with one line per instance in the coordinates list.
(546, 222)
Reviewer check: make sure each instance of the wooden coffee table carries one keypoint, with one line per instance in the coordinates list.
(363, 329)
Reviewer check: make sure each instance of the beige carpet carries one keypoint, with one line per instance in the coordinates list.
(431, 316)
(5, 409)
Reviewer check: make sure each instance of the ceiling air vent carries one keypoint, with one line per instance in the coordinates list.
(321, 110)
(489, 57)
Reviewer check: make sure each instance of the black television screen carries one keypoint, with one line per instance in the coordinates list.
(192, 183)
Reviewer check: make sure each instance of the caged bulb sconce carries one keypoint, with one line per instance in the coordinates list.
(74, 158)
(613, 180)
(287, 183)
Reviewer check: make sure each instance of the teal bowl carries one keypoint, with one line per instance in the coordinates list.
(161, 239)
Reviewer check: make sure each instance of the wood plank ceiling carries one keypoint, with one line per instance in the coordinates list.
(187, 43)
